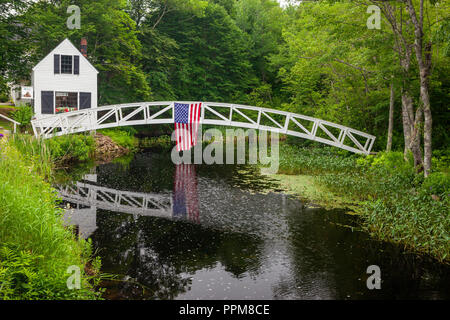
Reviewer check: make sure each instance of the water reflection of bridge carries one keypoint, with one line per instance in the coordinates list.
(146, 204)
(195, 201)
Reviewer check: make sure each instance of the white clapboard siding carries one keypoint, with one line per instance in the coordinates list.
(44, 78)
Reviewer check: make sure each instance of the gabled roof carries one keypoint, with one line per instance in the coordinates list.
(75, 48)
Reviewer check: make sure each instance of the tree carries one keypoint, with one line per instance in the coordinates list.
(12, 47)
(207, 57)
(156, 10)
(334, 68)
(412, 36)
(262, 20)
(113, 45)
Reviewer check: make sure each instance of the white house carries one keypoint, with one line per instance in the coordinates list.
(64, 81)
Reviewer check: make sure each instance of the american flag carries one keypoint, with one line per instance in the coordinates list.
(187, 119)
(185, 196)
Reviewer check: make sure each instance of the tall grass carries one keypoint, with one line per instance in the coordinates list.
(45, 155)
(35, 152)
(35, 248)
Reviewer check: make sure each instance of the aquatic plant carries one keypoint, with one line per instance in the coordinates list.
(395, 202)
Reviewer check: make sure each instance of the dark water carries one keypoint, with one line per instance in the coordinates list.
(216, 232)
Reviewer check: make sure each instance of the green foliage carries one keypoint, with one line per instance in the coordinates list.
(46, 153)
(72, 148)
(123, 137)
(395, 202)
(317, 58)
(207, 56)
(162, 142)
(36, 249)
(23, 115)
(36, 152)
(4, 90)
(391, 161)
(437, 183)
(441, 160)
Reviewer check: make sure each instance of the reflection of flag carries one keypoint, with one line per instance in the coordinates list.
(187, 118)
(185, 197)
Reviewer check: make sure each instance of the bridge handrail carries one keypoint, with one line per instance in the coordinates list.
(61, 121)
(11, 120)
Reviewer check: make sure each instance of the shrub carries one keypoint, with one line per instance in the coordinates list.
(437, 183)
(124, 138)
(23, 115)
(441, 160)
(72, 148)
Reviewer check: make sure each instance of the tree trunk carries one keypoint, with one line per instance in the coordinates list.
(415, 140)
(424, 59)
(427, 132)
(391, 119)
(406, 123)
(411, 129)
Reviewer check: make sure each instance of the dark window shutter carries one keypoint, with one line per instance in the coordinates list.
(85, 100)
(57, 59)
(76, 64)
(47, 102)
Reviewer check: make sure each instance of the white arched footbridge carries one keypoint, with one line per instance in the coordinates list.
(212, 113)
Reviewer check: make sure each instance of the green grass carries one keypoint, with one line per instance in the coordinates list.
(122, 137)
(54, 152)
(396, 204)
(35, 247)
(6, 125)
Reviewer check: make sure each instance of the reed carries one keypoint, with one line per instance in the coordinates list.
(36, 249)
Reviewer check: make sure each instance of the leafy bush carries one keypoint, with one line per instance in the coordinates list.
(23, 115)
(437, 183)
(441, 160)
(123, 137)
(72, 148)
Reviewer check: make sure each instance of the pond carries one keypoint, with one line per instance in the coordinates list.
(227, 232)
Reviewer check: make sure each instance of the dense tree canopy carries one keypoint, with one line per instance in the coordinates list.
(317, 58)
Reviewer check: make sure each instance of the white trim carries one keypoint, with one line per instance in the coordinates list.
(54, 52)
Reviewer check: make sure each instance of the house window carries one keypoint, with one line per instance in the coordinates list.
(66, 101)
(66, 64)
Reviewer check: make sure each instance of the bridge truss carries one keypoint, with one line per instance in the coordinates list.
(136, 203)
(222, 114)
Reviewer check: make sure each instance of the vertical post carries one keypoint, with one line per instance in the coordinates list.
(286, 124)
(203, 113)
